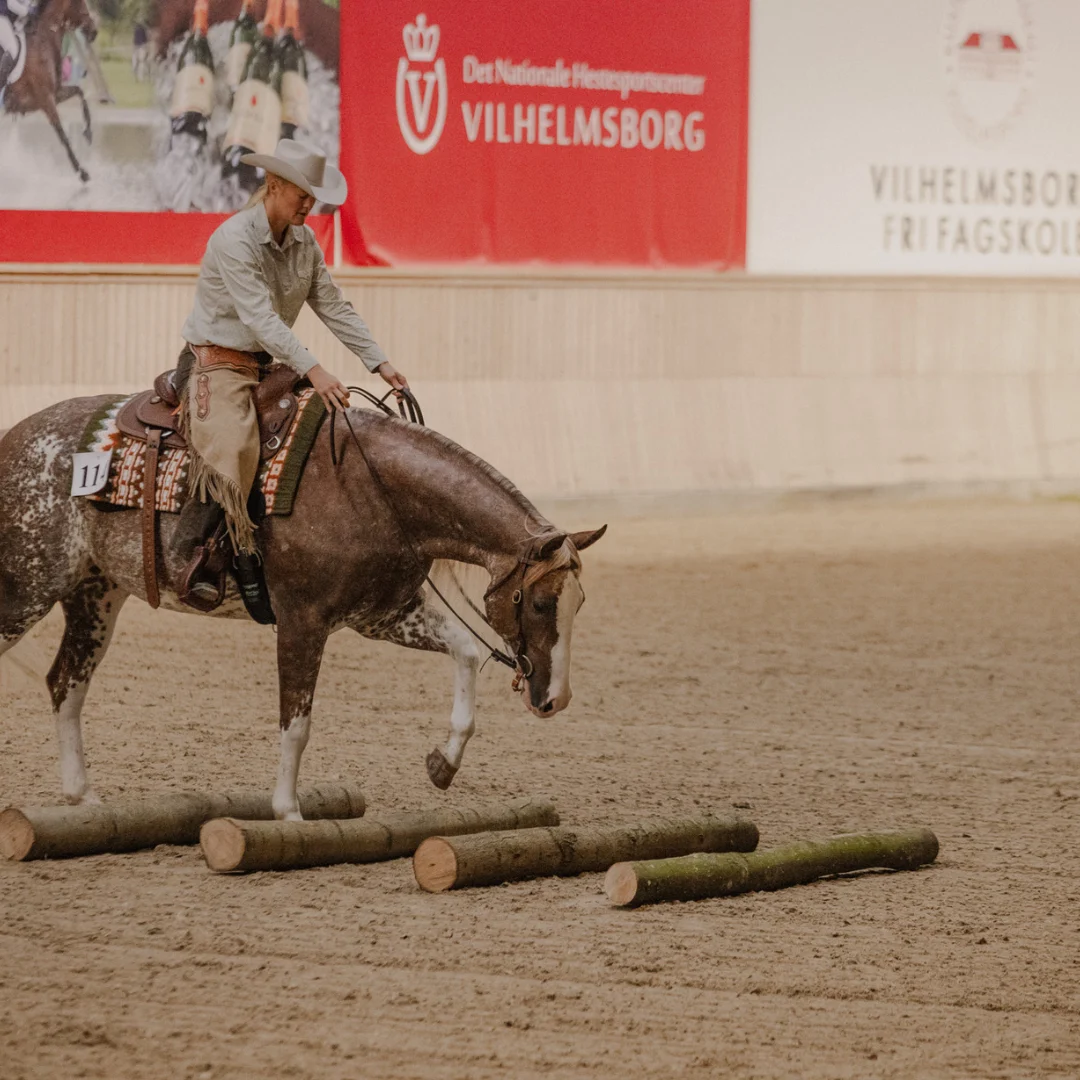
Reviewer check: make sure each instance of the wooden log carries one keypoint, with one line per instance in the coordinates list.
(696, 877)
(53, 832)
(243, 846)
(443, 863)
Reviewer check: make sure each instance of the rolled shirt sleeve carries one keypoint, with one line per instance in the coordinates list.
(250, 293)
(340, 317)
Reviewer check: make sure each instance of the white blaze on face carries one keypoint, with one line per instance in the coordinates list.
(570, 597)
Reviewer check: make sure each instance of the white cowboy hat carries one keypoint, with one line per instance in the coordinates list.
(306, 168)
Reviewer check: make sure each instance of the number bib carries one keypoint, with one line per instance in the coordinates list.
(90, 472)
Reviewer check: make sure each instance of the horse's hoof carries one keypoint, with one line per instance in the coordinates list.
(88, 798)
(84, 176)
(440, 770)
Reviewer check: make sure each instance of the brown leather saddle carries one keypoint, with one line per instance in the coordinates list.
(152, 417)
(157, 409)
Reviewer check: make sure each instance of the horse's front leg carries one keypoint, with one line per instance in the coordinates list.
(300, 651)
(48, 107)
(66, 92)
(422, 626)
(442, 765)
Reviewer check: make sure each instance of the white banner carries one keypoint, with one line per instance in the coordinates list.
(915, 137)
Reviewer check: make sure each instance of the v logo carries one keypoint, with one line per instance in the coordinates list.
(421, 105)
(423, 137)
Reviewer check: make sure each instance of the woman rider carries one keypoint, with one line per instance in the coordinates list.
(260, 267)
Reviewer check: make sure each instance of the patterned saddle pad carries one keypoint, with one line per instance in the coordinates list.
(279, 476)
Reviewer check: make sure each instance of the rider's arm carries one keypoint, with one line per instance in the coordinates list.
(340, 316)
(250, 293)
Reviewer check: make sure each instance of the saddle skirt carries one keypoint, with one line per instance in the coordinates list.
(287, 432)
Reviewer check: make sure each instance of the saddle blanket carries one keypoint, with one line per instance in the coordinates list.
(279, 476)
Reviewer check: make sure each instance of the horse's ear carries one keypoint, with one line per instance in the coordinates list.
(550, 545)
(582, 540)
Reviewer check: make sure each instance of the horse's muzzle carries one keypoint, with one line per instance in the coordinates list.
(548, 706)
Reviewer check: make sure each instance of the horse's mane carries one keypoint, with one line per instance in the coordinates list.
(478, 463)
(565, 558)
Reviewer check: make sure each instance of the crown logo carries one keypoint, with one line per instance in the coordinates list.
(421, 40)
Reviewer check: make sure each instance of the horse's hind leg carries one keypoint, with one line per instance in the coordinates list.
(66, 92)
(17, 615)
(48, 107)
(425, 627)
(90, 615)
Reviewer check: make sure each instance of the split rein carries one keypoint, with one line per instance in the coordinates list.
(410, 410)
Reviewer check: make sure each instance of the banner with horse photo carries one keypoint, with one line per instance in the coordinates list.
(546, 130)
(119, 110)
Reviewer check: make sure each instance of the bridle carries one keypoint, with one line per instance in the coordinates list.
(519, 662)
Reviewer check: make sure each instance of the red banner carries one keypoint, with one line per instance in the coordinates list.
(49, 236)
(146, 159)
(546, 130)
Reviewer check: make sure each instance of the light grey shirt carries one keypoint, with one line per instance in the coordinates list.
(250, 292)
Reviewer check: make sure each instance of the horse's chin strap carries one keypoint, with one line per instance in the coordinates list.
(521, 665)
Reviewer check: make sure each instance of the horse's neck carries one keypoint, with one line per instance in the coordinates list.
(453, 505)
(45, 30)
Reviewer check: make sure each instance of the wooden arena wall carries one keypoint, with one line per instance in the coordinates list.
(644, 386)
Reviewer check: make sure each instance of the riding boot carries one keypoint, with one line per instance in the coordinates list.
(195, 529)
(197, 523)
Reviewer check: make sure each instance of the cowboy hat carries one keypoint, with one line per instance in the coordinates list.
(305, 167)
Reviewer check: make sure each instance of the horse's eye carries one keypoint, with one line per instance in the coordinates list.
(544, 605)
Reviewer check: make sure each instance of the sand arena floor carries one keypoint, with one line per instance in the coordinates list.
(833, 667)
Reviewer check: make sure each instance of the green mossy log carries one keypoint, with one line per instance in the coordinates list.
(697, 877)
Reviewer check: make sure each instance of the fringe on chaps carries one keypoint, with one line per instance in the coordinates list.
(217, 417)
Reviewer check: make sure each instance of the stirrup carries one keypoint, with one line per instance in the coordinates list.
(201, 584)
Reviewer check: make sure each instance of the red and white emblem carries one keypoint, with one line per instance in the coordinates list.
(421, 90)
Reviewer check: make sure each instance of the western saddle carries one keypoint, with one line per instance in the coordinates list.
(152, 417)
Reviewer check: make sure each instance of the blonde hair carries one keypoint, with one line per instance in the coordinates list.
(258, 197)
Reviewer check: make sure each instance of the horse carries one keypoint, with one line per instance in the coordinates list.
(319, 24)
(39, 86)
(373, 513)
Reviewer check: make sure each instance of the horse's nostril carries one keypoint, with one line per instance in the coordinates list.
(548, 707)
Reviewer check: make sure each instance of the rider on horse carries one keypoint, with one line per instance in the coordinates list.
(259, 269)
(13, 15)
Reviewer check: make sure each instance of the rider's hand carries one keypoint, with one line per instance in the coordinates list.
(330, 389)
(391, 375)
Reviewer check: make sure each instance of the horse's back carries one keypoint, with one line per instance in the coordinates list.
(62, 424)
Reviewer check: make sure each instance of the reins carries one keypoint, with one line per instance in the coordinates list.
(521, 665)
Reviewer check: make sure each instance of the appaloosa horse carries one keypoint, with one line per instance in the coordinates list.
(39, 86)
(353, 553)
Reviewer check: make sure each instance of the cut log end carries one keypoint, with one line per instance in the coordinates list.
(621, 884)
(435, 865)
(16, 835)
(222, 842)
